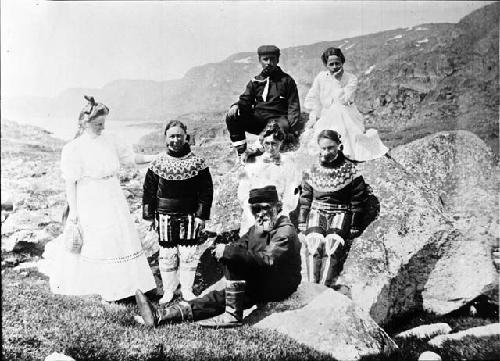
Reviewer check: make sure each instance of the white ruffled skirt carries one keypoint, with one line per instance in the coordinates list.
(111, 263)
(348, 122)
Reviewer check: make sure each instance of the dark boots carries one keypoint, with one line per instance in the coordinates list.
(233, 316)
(153, 317)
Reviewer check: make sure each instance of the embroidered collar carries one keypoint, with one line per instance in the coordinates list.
(331, 179)
(177, 168)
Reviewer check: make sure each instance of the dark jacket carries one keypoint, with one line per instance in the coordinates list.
(178, 183)
(272, 259)
(338, 184)
(282, 98)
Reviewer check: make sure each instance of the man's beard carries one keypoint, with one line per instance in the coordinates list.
(265, 225)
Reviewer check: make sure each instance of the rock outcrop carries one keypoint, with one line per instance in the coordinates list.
(425, 331)
(429, 356)
(462, 171)
(327, 321)
(492, 329)
(31, 182)
(414, 255)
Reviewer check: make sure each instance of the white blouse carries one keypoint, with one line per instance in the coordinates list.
(99, 157)
(327, 90)
(285, 177)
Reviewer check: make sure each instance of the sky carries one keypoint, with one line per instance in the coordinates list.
(48, 46)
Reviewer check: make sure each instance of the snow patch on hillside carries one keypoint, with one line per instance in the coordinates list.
(247, 60)
(399, 36)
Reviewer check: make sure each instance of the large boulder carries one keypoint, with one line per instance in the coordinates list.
(463, 272)
(461, 169)
(408, 257)
(388, 266)
(327, 321)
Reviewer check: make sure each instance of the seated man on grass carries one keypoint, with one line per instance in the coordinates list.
(263, 266)
(271, 95)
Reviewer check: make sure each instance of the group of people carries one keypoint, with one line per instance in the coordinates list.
(296, 224)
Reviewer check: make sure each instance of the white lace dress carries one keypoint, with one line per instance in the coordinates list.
(332, 102)
(285, 177)
(111, 263)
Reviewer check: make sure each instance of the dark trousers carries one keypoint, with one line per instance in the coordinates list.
(214, 303)
(237, 125)
(257, 291)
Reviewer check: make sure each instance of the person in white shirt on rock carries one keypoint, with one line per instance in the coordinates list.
(330, 103)
(270, 168)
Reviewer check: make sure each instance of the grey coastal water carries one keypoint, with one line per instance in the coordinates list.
(128, 130)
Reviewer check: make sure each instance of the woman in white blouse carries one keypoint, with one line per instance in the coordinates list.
(270, 168)
(111, 262)
(330, 102)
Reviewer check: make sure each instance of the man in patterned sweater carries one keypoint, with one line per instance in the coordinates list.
(331, 209)
(271, 95)
(177, 196)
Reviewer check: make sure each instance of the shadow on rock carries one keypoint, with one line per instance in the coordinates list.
(407, 286)
(209, 269)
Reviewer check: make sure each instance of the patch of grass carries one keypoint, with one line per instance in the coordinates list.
(472, 348)
(469, 348)
(458, 321)
(36, 323)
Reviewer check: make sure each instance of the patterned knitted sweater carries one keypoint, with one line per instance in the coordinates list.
(338, 183)
(183, 179)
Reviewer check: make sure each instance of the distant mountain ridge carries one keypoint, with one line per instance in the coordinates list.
(445, 74)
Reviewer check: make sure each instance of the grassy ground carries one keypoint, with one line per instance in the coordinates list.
(36, 323)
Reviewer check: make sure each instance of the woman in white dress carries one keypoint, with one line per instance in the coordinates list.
(270, 168)
(331, 99)
(111, 262)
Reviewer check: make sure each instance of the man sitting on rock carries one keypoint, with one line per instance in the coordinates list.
(271, 95)
(263, 266)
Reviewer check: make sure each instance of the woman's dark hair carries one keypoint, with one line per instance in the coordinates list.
(175, 123)
(329, 134)
(272, 128)
(332, 51)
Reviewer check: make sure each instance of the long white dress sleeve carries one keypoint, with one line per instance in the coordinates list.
(351, 84)
(71, 164)
(339, 113)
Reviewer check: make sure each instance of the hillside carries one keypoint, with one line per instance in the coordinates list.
(423, 79)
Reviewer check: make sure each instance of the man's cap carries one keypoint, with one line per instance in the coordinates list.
(268, 194)
(268, 50)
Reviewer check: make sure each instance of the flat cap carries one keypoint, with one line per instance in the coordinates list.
(268, 194)
(268, 50)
